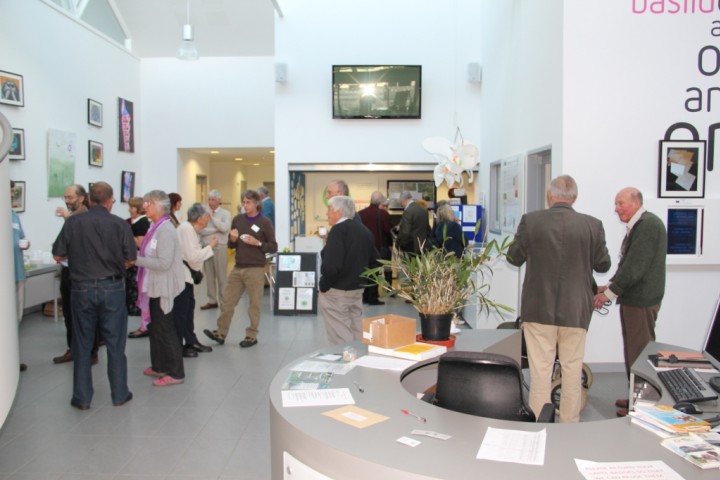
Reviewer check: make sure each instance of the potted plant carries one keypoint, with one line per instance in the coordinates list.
(437, 283)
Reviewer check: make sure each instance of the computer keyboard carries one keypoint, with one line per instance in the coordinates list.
(685, 385)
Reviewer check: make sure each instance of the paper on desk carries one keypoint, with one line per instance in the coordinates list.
(702, 370)
(656, 469)
(312, 366)
(315, 398)
(513, 446)
(382, 362)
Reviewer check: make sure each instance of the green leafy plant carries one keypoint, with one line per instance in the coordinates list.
(437, 282)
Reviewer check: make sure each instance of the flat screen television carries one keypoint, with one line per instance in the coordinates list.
(376, 91)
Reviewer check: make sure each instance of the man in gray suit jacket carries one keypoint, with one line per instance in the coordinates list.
(561, 248)
(414, 225)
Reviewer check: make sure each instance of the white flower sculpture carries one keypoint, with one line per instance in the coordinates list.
(453, 158)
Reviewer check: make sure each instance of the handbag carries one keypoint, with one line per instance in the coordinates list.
(196, 275)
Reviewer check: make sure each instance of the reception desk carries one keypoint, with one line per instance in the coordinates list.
(309, 445)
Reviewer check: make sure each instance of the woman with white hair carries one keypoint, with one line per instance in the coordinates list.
(160, 280)
(193, 255)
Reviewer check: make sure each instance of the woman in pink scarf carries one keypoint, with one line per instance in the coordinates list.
(160, 280)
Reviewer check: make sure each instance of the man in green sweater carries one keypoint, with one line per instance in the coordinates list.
(638, 286)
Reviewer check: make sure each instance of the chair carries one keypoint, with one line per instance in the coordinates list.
(484, 384)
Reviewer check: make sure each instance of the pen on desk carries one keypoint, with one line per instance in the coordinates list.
(360, 389)
(418, 417)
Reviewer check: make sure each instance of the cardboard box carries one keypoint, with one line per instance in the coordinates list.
(389, 331)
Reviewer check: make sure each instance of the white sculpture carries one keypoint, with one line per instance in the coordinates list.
(453, 158)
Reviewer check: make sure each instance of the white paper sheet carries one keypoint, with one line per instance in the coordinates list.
(315, 398)
(382, 362)
(513, 446)
(312, 366)
(656, 469)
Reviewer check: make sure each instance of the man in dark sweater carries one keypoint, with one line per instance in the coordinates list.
(638, 286)
(350, 248)
(252, 236)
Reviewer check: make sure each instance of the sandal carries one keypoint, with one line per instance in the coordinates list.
(215, 336)
(138, 334)
(167, 380)
(152, 373)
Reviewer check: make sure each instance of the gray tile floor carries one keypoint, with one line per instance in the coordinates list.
(214, 426)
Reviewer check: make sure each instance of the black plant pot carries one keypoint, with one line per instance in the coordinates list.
(435, 327)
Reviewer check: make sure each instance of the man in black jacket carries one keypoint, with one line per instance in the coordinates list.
(350, 248)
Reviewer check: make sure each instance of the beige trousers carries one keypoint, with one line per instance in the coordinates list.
(543, 343)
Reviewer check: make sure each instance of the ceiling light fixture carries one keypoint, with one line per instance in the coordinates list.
(187, 49)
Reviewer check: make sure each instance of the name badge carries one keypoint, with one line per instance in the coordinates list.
(255, 228)
(153, 243)
(16, 226)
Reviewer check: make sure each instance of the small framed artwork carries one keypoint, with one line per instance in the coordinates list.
(18, 197)
(128, 186)
(126, 126)
(681, 169)
(17, 146)
(95, 113)
(11, 89)
(95, 153)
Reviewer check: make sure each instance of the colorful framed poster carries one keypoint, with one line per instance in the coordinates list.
(11, 89)
(17, 146)
(95, 113)
(127, 186)
(95, 153)
(126, 136)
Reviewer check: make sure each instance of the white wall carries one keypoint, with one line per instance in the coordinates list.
(210, 103)
(621, 92)
(62, 64)
(316, 34)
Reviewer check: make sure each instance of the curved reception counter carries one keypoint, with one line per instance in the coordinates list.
(306, 444)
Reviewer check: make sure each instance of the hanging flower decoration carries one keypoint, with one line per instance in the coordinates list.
(453, 159)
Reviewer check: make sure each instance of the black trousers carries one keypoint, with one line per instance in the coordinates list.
(165, 350)
(184, 312)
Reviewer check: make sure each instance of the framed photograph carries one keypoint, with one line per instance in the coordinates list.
(18, 197)
(127, 186)
(126, 126)
(17, 146)
(95, 154)
(681, 169)
(11, 89)
(95, 113)
(420, 189)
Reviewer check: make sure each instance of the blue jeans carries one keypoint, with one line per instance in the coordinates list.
(99, 304)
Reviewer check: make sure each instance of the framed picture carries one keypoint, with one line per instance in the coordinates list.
(18, 197)
(17, 146)
(95, 154)
(681, 169)
(95, 113)
(420, 189)
(126, 126)
(11, 89)
(127, 186)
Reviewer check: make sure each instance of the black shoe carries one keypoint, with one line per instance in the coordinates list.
(119, 404)
(200, 348)
(248, 342)
(213, 335)
(376, 302)
(189, 352)
(78, 405)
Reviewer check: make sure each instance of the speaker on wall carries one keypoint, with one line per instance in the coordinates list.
(281, 72)
(474, 73)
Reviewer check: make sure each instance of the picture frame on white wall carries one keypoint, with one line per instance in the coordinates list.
(17, 145)
(94, 113)
(12, 89)
(681, 169)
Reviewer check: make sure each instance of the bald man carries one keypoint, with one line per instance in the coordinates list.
(638, 286)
